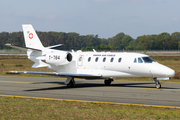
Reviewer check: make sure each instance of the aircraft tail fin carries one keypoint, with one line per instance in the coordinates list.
(31, 38)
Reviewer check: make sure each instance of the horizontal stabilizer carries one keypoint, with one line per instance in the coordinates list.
(50, 47)
(60, 74)
(20, 48)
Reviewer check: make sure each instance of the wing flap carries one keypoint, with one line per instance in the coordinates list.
(61, 74)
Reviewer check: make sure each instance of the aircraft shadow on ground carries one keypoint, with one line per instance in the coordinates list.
(86, 85)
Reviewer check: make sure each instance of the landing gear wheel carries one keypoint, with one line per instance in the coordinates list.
(71, 84)
(158, 85)
(108, 82)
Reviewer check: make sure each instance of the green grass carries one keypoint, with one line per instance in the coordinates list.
(27, 108)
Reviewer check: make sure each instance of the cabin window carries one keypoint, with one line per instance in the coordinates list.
(148, 59)
(104, 59)
(135, 61)
(119, 60)
(112, 59)
(140, 60)
(96, 59)
(89, 59)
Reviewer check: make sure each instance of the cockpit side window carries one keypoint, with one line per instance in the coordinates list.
(148, 59)
(140, 60)
(135, 61)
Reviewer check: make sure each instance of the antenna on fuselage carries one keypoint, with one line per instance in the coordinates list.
(94, 50)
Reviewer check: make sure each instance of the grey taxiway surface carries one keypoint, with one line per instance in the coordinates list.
(93, 90)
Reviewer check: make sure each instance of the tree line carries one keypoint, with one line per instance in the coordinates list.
(121, 41)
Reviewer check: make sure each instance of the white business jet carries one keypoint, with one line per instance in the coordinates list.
(90, 65)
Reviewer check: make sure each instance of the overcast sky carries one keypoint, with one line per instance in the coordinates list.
(103, 17)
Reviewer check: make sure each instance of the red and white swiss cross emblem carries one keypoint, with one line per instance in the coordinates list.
(30, 36)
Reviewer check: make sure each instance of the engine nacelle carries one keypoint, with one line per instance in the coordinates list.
(58, 58)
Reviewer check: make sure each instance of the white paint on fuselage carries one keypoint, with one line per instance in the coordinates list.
(115, 69)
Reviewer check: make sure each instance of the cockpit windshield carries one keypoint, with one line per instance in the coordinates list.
(148, 59)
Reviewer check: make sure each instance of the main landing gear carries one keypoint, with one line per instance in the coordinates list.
(107, 82)
(158, 85)
(70, 82)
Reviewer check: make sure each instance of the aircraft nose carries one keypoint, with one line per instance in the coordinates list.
(162, 71)
(170, 73)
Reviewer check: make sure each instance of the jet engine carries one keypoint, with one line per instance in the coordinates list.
(58, 58)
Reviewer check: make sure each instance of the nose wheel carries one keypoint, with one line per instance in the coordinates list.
(157, 83)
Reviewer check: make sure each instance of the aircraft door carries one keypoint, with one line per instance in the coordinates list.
(80, 60)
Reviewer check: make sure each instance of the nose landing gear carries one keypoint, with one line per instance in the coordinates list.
(158, 84)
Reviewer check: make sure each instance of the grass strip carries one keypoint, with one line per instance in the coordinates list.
(31, 108)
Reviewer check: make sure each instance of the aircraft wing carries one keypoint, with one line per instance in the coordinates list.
(87, 76)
